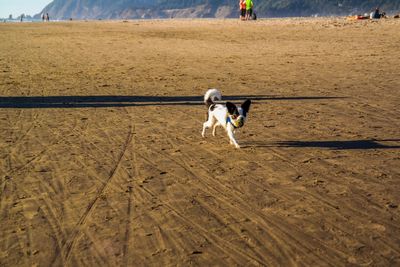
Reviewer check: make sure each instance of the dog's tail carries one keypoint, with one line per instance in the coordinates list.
(211, 96)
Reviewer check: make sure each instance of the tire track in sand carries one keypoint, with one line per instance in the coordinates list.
(9, 180)
(237, 254)
(270, 224)
(214, 238)
(127, 236)
(213, 192)
(70, 244)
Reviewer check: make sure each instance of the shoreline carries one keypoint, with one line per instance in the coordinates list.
(319, 18)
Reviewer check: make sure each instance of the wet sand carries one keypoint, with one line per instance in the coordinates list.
(102, 161)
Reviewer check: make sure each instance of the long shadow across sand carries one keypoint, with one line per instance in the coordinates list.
(332, 145)
(103, 101)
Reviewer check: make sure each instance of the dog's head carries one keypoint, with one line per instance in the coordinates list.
(237, 115)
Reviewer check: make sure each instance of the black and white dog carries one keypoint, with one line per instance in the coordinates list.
(227, 115)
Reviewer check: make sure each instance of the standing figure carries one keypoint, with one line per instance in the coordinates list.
(242, 6)
(249, 9)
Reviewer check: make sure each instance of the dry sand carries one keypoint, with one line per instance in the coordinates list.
(102, 161)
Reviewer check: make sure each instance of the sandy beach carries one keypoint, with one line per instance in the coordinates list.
(102, 162)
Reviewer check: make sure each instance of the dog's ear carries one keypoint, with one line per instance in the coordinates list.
(232, 109)
(246, 106)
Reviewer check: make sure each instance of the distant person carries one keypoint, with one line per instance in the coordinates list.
(22, 17)
(242, 6)
(47, 17)
(254, 16)
(43, 17)
(375, 14)
(249, 9)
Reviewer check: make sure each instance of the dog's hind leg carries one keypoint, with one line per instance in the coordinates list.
(215, 128)
(208, 124)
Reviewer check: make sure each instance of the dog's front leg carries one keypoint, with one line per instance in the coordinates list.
(232, 137)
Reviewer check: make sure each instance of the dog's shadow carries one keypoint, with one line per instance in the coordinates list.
(330, 145)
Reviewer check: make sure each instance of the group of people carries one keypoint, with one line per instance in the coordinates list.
(45, 17)
(246, 10)
(376, 14)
